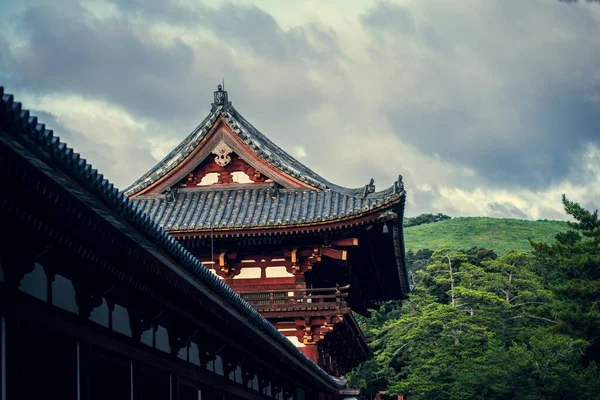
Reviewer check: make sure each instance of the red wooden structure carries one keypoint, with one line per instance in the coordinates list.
(303, 251)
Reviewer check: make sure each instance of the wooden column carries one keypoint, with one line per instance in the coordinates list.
(311, 351)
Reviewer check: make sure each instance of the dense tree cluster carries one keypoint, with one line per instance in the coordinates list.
(479, 326)
(425, 219)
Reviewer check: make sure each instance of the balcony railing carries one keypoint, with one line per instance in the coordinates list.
(332, 298)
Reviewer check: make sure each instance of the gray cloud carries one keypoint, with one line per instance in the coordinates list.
(125, 63)
(539, 113)
(258, 32)
(110, 59)
(505, 210)
(390, 17)
(170, 81)
(4, 59)
(246, 26)
(112, 158)
(175, 12)
(51, 122)
(536, 152)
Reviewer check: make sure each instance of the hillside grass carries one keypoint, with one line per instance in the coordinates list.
(498, 234)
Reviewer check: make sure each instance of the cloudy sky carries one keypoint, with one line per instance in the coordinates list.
(486, 107)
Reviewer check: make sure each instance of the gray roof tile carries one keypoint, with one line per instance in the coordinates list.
(249, 208)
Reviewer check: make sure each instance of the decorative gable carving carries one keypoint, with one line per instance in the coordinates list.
(222, 152)
(221, 157)
(223, 170)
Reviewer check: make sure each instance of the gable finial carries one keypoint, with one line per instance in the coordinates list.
(221, 95)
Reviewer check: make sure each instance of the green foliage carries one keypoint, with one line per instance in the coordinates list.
(419, 260)
(571, 269)
(476, 255)
(479, 326)
(499, 235)
(425, 219)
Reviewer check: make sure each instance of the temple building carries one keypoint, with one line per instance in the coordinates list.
(229, 271)
(304, 252)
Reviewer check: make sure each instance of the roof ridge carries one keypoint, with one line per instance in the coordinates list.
(358, 193)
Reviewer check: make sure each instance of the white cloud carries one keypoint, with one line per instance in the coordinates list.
(544, 204)
(300, 152)
(118, 145)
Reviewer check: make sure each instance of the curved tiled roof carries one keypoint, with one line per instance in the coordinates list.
(255, 207)
(252, 206)
(253, 138)
(45, 145)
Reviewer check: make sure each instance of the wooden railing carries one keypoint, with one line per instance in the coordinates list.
(287, 300)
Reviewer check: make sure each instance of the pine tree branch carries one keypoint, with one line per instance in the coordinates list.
(531, 316)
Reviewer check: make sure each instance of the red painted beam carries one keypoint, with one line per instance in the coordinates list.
(345, 242)
(334, 253)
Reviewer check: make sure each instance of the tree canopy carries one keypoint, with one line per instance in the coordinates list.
(425, 219)
(479, 326)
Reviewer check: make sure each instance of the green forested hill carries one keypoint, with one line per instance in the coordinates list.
(498, 234)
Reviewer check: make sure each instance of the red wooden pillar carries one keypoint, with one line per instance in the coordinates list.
(311, 351)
